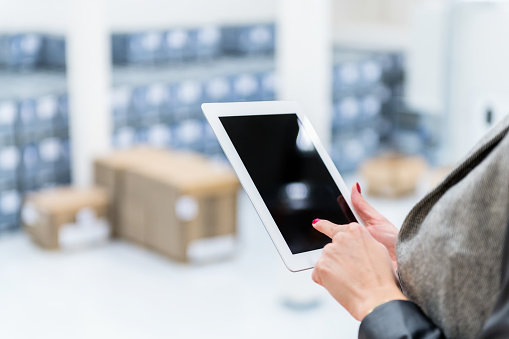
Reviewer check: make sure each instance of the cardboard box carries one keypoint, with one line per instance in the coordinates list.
(393, 176)
(181, 198)
(66, 217)
(109, 174)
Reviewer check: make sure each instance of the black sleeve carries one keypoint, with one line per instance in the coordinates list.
(400, 319)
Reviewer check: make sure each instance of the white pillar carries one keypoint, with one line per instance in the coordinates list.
(304, 59)
(88, 76)
(478, 72)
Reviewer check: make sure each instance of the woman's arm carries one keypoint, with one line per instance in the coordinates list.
(404, 319)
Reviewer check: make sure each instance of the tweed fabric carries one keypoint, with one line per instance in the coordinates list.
(449, 249)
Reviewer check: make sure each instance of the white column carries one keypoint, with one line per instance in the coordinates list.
(479, 66)
(88, 74)
(304, 59)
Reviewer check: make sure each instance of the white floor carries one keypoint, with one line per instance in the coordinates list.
(123, 291)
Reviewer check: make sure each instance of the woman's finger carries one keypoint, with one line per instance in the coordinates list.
(328, 228)
(365, 211)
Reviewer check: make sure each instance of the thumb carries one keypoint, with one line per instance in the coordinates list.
(365, 211)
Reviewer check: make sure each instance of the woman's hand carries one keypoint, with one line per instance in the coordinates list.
(355, 269)
(380, 228)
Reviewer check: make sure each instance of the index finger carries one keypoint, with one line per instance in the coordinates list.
(328, 228)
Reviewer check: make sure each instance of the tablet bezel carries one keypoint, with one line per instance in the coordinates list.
(213, 111)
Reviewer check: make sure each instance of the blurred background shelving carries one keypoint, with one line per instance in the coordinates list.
(78, 79)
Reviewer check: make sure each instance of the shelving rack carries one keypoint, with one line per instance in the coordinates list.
(95, 87)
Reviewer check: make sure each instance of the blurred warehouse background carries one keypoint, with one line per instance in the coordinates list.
(94, 93)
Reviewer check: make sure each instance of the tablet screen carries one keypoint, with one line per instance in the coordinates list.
(291, 177)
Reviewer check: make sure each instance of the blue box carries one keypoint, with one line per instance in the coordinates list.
(346, 76)
(248, 40)
(149, 104)
(124, 137)
(10, 204)
(42, 179)
(41, 118)
(137, 48)
(346, 113)
(268, 85)
(119, 48)
(51, 153)
(350, 149)
(186, 98)
(62, 119)
(371, 71)
(47, 155)
(10, 160)
(47, 114)
(120, 99)
(8, 119)
(180, 45)
(20, 51)
(246, 87)
(187, 134)
(371, 107)
(218, 89)
(157, 135)
(208, 42)
(210, 144)
(53, 51)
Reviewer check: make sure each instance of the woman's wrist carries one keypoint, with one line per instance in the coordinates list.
(378, 298)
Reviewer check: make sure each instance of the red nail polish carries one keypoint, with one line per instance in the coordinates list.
(358, 188)
(315, 221)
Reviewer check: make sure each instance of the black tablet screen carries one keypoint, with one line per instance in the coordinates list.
(290, 176)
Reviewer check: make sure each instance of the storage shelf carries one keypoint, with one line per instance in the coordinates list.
(136, 75)
(32, 84)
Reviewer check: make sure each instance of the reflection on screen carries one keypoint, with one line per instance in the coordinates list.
(290, 176)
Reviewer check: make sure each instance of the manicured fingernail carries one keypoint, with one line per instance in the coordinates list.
(315, 221)
(358, 188)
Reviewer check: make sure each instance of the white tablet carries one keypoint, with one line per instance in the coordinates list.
(286, 172)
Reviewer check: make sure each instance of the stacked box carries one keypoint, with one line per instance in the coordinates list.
(249, 39)
(179, 45)
(53, 52)
(170, 46)
(20, 51)
(218, 89)
(208, 42)
(10, 202)
(246, 87)
(43, 140)
(10, 199)
(167, 202)
(109, 173)
(367, 96)
(66, 217)
(9, 151)
(393, 176)
(142, 48)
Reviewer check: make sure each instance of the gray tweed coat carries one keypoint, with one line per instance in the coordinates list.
(450, 246)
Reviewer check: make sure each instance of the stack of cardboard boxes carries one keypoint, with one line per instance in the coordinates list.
(392, 175)
(66, 217)
(165, 200)
(162, 200)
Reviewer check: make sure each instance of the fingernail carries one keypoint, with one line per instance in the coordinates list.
(315, 221)
(358, 188)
